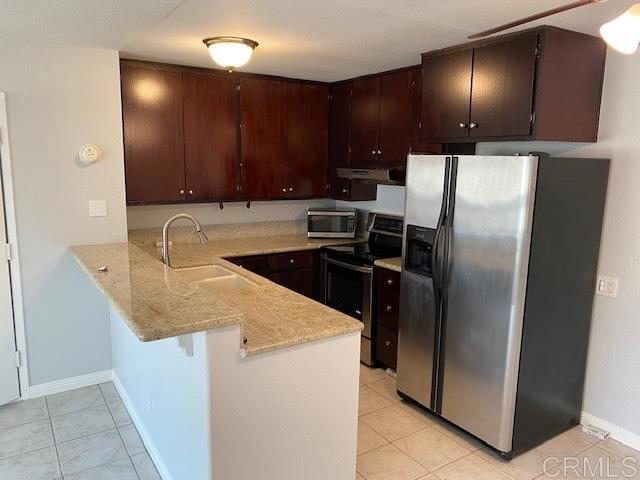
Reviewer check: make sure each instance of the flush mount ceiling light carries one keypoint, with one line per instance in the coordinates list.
(230, 52)
(623, 33)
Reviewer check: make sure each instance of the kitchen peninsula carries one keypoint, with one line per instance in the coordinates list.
(256, 382)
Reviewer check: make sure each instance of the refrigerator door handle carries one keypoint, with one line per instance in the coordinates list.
(438, 266)
(448, 226)
(437, 277)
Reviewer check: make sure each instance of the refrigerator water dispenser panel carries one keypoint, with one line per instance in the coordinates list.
(419, 250)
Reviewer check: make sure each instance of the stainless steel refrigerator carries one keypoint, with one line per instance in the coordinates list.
(498, 276)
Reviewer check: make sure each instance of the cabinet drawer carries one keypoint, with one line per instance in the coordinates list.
(388, 304)
(300, 280)
(387, 346)
(253, 263)
(389, 280)
(280, 262)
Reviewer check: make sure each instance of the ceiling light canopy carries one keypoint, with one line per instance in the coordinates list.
(230, 52)
(623, 32)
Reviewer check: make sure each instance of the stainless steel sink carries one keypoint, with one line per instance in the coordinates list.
(216, 278)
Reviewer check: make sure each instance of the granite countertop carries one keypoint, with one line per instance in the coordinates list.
(394, 264)
(156, 302)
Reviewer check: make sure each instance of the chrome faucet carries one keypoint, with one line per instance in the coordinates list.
(165, 234)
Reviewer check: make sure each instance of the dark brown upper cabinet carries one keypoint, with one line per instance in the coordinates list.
(180, 135)
(210, 136)
(365, 120)
(284, 130)
(153, 134)
(416, 145)
(381, 109)
(539, 84)
(263, 124)
(307, 140)
(446, 90)
(339, 145)
(502, 87)
(396, 103)
(339, 119)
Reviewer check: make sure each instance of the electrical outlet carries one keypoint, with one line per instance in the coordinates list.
(607, 286)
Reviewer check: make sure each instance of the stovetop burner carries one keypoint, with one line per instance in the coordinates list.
(362, 253)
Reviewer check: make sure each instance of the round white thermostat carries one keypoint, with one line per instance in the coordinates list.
(89, 153)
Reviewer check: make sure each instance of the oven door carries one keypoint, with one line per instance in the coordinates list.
(348, 289)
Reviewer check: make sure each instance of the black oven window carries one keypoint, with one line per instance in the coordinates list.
(344, 290)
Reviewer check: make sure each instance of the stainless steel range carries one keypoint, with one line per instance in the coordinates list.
(348, 273)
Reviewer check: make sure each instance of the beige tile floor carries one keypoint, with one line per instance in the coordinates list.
(87, 434)
(83, 434)
(398, 441)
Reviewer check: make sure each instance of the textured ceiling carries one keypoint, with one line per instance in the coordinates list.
(316, 39)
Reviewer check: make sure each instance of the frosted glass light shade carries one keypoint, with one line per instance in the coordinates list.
(230, 52)
(623, 33)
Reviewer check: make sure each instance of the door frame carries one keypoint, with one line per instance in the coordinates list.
(12, 235)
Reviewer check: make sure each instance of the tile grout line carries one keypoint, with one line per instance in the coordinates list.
(135, 470)
(89, 435)
(53, 434)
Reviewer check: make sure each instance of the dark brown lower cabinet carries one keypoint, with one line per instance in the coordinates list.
(297, 271)
(387, 346)
(254, 263)
(386, 308)
(301, 280)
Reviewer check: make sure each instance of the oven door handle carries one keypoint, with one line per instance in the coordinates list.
(355, 268)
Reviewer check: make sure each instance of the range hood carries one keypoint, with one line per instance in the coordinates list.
(386, 176)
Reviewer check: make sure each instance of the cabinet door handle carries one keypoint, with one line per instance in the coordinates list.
(284, 189)
(373, 152)
(292, 261)
(344, 190)
(190, 192)
(388, 308)
(181, 191)
(473, 125)
(463, 125)
(387, 343)
(379, 152)
(389, 282)
(291, 189)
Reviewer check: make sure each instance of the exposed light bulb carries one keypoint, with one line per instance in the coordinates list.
(230, 52)
(623, 33)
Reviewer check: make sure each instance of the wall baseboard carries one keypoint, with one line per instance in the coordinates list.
(620, 434)
(70, 383)
(144, 435)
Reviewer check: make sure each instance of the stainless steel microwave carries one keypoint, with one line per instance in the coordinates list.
(331, 223)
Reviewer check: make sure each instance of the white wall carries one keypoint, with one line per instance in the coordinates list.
(390, 199)
(59, 98)
(613, 383)
(152, 216)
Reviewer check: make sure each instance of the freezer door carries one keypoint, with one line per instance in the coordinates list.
(417, 322)
(485, 286)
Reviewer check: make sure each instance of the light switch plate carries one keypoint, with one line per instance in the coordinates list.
(98, 208)
(607, 286)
